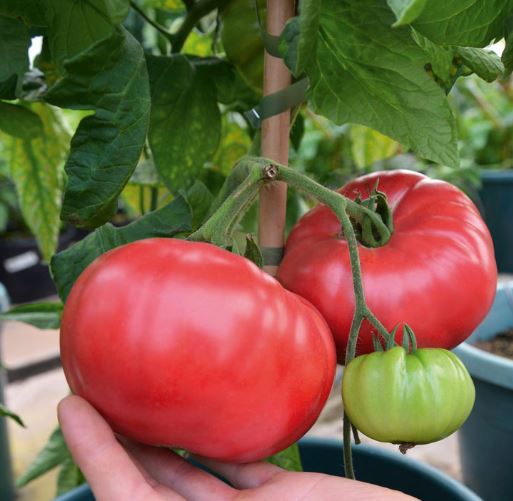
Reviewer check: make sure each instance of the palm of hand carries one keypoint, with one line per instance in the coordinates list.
(129, 471)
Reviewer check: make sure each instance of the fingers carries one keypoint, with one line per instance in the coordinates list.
(171, 470)
(243, 476)
(106, 465)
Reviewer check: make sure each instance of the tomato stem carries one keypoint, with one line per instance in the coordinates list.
(336, 202)
(219, 228)
(348, 456)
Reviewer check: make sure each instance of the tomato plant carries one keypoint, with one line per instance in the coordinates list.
(437, 272)
(161, 103)
(187, 345)
(407, 398)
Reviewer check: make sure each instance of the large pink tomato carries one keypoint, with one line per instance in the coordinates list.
(437, 272)
(184, 344)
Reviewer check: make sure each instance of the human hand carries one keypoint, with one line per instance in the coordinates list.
(130, 471)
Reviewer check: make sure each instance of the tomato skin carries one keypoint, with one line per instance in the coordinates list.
(184, 344)
(437, 273)
(416, 398)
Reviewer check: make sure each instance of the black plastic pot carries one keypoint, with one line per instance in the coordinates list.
(373, 465)
(486, 439)
(496, 196)
(22, 270)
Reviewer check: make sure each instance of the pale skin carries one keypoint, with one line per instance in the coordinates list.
(132, 472)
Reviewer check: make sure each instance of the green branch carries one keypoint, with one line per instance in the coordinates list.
(194, 15)
(195, 12)
(161, 29)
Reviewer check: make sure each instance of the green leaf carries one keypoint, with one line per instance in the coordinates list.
(31, 12)
(200, 199)
(69, 477)
(289, 459)
(484, 63)
(110, 78)
(14, 62)
(298, 41)
(4, 216)
(231, 89)
(369, 146)
(53, 454)
(439, 58)
(36, 169)
(450, 62)
(371, 74)
(254, 254)
(4, 411)
(19, 121)
(77, 25)
(185, 120)
(67, 265)
(469, 23)
(40, 315)
(406, 11)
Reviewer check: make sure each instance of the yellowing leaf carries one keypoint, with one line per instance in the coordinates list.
(164, 4)
(235, 143)
(36, 168)
(198, 44)
(369, 146)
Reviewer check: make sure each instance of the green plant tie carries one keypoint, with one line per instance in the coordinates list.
(277, 102)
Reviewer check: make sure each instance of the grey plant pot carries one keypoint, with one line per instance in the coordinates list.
(486, 439)
(496, 197)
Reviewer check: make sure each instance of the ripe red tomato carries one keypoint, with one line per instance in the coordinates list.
(437, 272)
(184, 344)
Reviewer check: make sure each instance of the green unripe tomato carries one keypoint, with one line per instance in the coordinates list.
(242, 40)
(407, 398)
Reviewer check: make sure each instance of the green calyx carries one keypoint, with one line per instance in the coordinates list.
(367, 232)
(409, 341)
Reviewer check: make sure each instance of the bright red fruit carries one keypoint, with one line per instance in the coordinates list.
(437, 273)
(184, 344)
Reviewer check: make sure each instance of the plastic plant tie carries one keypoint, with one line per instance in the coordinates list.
(271, 42)
(272, 255)
(277, 102)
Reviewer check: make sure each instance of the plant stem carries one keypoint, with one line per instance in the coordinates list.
(348, 457)
(150, 21)
(196, 12)
(219, 227)
(154, 198)
(334, 200)
(142, 204)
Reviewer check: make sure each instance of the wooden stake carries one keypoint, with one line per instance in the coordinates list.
(275, 137)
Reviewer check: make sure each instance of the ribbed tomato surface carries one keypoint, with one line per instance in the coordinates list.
(187, 345)
(437, 273)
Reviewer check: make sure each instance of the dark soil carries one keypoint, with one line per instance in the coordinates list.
(501, 344)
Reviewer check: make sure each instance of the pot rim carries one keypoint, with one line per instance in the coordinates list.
(486, 366)
(496, 175)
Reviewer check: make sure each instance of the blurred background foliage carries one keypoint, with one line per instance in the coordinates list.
(331, 154)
